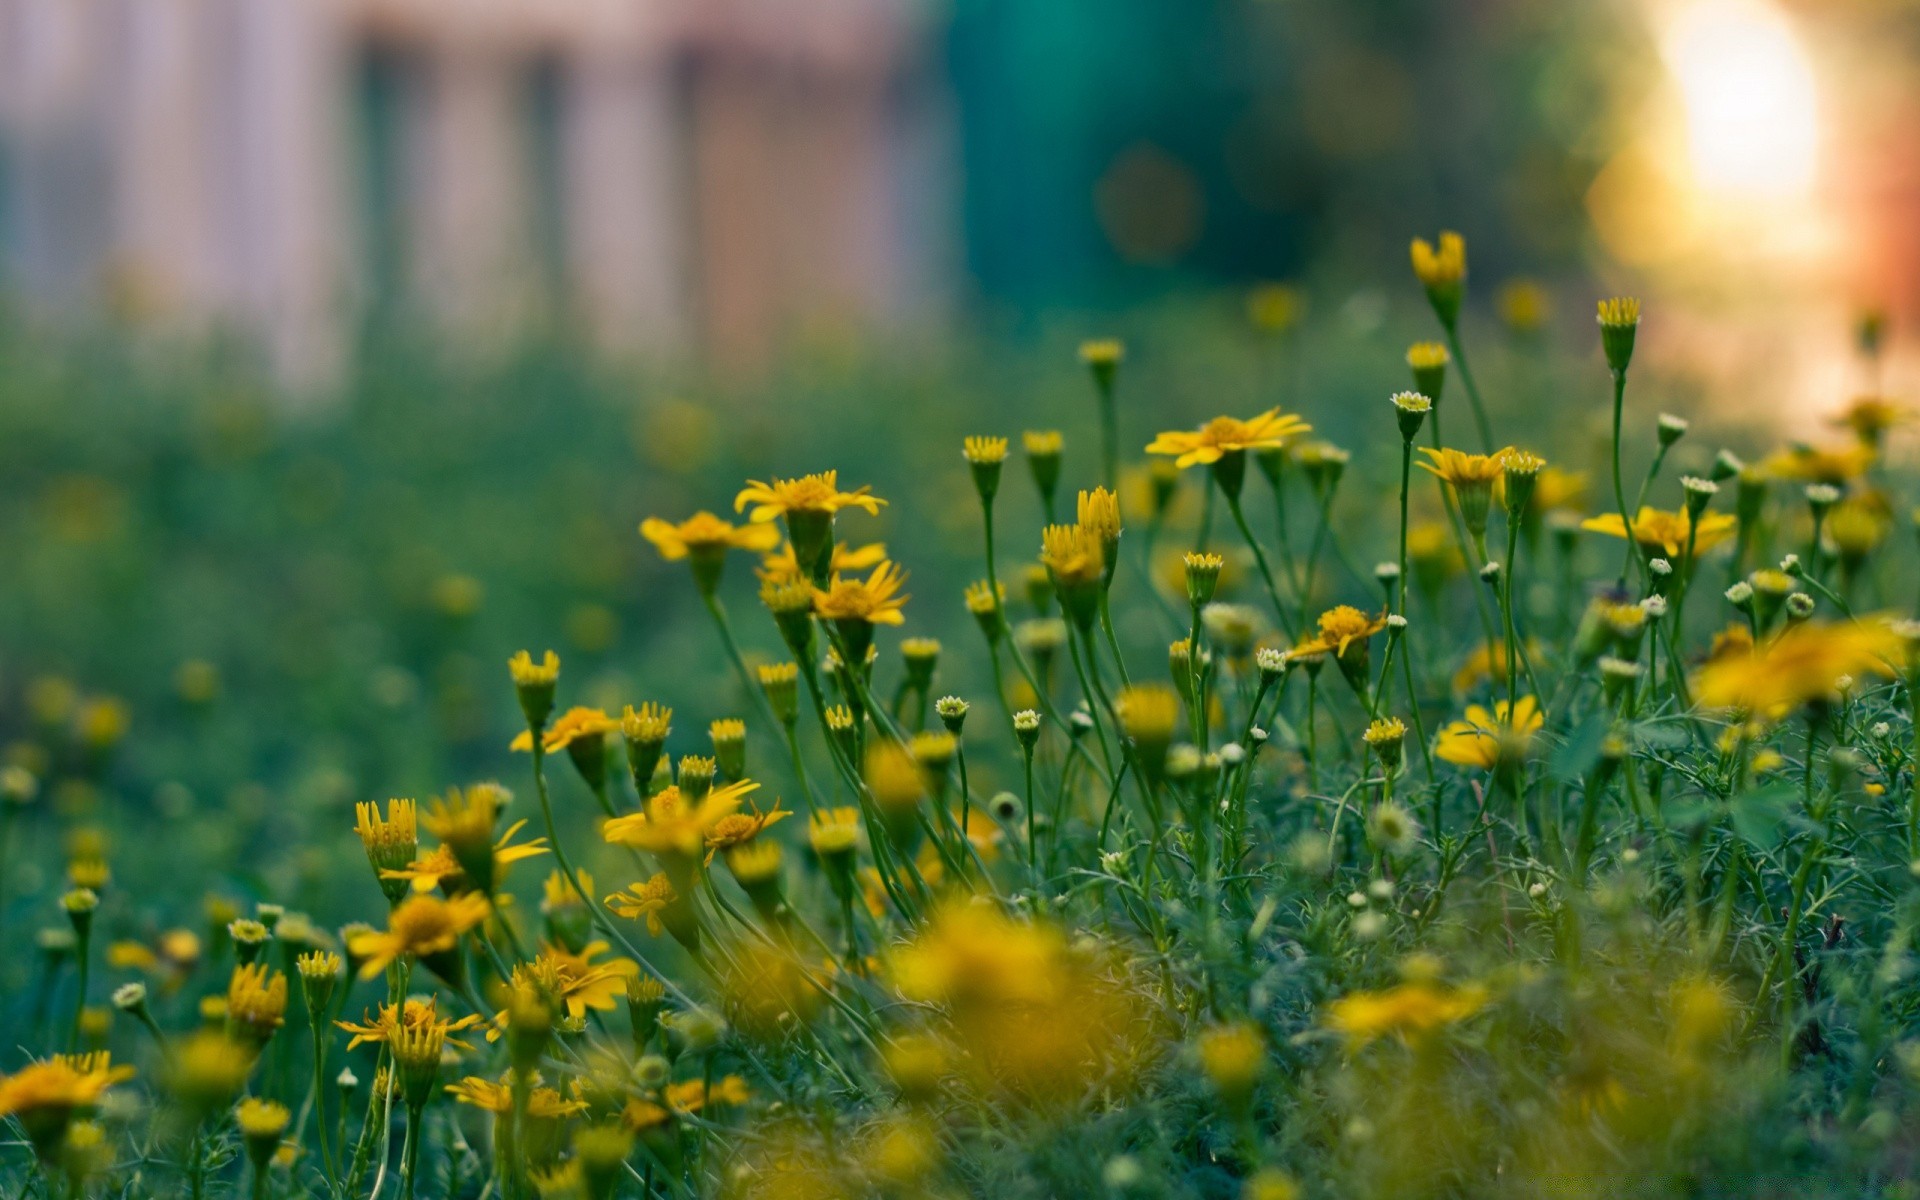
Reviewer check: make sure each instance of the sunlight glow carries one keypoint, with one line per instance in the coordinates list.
(1748, 90)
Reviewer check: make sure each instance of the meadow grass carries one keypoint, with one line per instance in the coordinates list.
(979, 795)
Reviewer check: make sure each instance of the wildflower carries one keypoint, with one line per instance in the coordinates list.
(1869, 417)
(1392, 829)
(543, 1103)
(1098, 512)
(834, 834)
(649, 900)
(1343, 634)
(1385, 737)
(704, 539)
(738, 828)
(573, 982)
(673, 825)
(261, 1123)
(1855, 528)
(390, 842)
(782, 567)
(808, 504)
(952, 711)
(1670, 532)
(1834, 465)
(1489, 740)
(424, 926)
(1619, 322)
(1275, 307)
(1227, 435)
(1410, 410)
(45, 1096)
(1519, 471)
(576, 724)
(1428, 363)
(533, 684)
(1234, 1057)
(1149, 715)
(1043, 448)
(1410, 1011)
(464, 822)
(1202, 577)
(416, 1051)
(1523, 305)
(856, 606)
(1803, 664)
(256, 1001)
(1443, 272)
(1076, 561)
(1471, 477)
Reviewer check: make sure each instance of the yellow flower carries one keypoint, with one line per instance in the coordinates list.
(573, 725)
(984, 450)
(1042, 443)
(256, 1000)
(442, 864)
(1813, 464)
(543, 1103)
(1667, 531)
(737, 828)
(1407, 1011)
(528, 673)
(381, 1027)
(1339, 628)
(647, 900)
(1275, 307)
(686, 1097)
(1804, 663)
(1464, 470)
(781, 565)
(1856, 527)
(818, 494)
(1234, 1057)
(1225, 435)
(420, 926)
(1523, 305)
(1485, 739)
(1442, 267)
(63, 1082)
(1489, 659)
(1870, 417)
(573, 981)
(705, 534)
(874, 599)
(670, 824)
(1556, 489)
(834, 830)
(392, 842)
(1099, 512)
(1073, 555)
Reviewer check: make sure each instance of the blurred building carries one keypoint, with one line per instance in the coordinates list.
(670, 174)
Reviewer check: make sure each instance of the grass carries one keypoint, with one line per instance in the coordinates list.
(1251, 915)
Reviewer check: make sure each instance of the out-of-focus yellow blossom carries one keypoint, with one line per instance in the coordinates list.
(1834, 465)
(1802, 664)
(1409, 1011)
(1486, 739)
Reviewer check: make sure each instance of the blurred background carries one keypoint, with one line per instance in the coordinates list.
(713, 179)
(345, 343)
